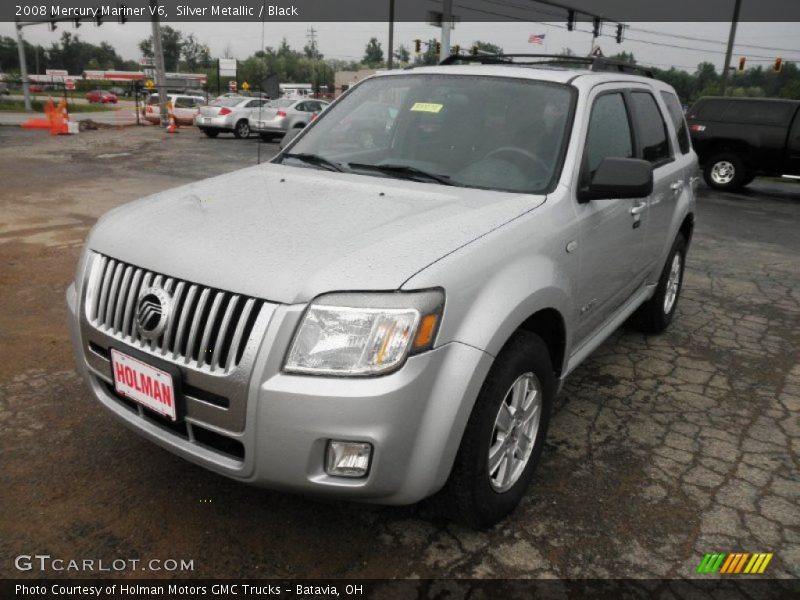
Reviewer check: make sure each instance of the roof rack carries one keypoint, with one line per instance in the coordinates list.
(594, 63)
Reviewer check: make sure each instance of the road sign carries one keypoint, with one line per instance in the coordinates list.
(56, 72)
(69, 84)
(245, 86)
(232, 85)
(227, 67)
(149, 84)
(146, 61)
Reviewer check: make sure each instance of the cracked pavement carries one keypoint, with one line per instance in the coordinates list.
(661, 449)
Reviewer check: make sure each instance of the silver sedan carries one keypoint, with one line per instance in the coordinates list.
(228, 114)
(279, 116)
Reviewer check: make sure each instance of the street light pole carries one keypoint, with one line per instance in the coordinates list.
(729, 51)
(158, 55)
(391, 35)
(23, 67)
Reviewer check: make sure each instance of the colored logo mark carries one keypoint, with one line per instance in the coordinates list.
(734, 563)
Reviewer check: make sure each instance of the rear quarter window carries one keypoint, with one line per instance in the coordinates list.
(708, 110)
(676, 114)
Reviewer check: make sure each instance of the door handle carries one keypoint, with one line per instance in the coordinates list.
(638, 209)
(676, 185)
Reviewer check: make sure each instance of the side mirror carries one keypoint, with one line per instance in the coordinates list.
(289, 136)
(619, 178)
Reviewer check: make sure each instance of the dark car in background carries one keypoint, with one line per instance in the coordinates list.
(737, 139)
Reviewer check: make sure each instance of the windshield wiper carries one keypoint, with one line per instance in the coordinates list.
(316, 160)
(403, 171)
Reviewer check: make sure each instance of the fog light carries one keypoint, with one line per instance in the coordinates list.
(348, 459)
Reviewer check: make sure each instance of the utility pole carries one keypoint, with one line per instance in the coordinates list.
(312, 40)
(729, 51)
(447, 18)
(158, 55)
(23, 67)
(390, 60)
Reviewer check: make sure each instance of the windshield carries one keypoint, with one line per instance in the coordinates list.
(486, 132)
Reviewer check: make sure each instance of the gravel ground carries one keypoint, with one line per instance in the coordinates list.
(662, 448)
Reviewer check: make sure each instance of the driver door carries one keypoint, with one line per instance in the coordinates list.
(612, 232)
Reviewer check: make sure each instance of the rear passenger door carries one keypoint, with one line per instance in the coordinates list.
(658, 145)
(612, 231)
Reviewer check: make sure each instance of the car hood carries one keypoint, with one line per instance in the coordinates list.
(287, 234)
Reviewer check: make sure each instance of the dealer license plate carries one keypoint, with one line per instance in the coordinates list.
(145, 384)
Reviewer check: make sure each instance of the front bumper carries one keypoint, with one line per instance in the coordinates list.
(414, 418)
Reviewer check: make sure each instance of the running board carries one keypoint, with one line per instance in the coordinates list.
(598, 338)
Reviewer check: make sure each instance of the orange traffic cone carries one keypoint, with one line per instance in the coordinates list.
(172, 127)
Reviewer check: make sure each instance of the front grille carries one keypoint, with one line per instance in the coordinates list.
(208, 328)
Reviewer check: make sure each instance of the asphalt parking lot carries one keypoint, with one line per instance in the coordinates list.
(662, 448)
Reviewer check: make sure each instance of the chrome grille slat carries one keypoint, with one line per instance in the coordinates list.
(101, 308)
(198, 312)
(171, 324)
(121, 299)
(239, 333)
(208, 329)
(223, 330)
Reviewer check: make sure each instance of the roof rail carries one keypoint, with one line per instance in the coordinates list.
(593, 63)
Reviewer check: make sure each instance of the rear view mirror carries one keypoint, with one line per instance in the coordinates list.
(619, 178)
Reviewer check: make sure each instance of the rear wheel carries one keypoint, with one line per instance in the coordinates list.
(242, 129)
(266, 137)
(504, 436)
(725, 171)
(212, 133)
(655, 315)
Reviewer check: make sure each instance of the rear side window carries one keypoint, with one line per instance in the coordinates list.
(651, 129)
(758, 112)
(609, 131)
(708, 110)
(184, 102)
(676, 114)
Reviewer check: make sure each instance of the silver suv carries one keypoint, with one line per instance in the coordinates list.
(383, 317)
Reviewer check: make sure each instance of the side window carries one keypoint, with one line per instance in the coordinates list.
(650, 127)
(676, 114)
(254, 104)
(609, 131)
(183, 102)
(758, 112)
(302, 107)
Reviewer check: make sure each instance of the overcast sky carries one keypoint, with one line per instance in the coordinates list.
(347, 40)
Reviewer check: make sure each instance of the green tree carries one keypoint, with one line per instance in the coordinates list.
(373, 53)
(402, 55)
(171, 43)
(487, 48)
(195, 54)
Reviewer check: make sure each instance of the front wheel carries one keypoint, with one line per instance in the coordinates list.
(504, 436)
(725, 171)
(242, 129)
(655, 315)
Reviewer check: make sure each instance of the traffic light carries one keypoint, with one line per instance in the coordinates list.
(53, 25)
(742, 62)
(98, 20)
(456, 49)
(778, 66)
(122, 18)
(570, 20)
(438, 47)
(77, 23)
(474, 50)
(417, 46)
(620, 29)
(596, 27)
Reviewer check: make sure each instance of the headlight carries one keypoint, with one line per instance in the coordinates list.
(364, 334)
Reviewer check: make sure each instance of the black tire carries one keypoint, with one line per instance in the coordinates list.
(653, 317)
(242, 129)
(468, 495)
(212, 133)
(266, 137)
(725, 171)
(749, 178)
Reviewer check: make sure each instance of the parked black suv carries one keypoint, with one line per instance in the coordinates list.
(738, 138)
